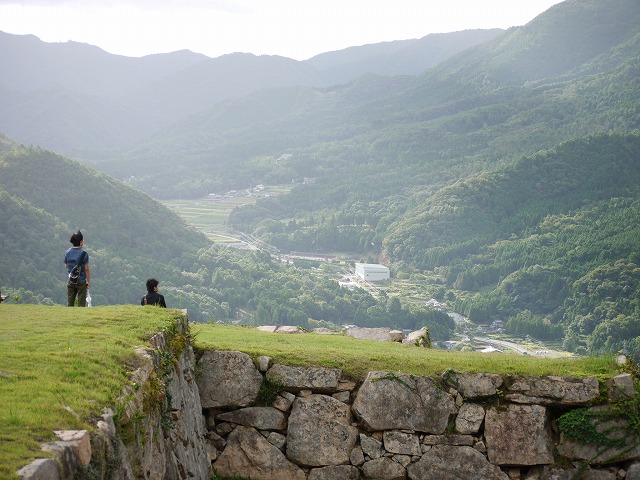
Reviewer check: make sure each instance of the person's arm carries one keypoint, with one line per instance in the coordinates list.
(87, 272)
(162, 303)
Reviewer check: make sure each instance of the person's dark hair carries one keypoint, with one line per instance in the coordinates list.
(76, 238)
(151, 284)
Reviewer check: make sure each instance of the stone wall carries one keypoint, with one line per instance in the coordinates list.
(250, 418)
(321, 426)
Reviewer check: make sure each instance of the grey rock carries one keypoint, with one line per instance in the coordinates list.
(267, 328)
(389, 401)
(227, 379)
(461, 463)
(264, 363)
(554, 390)
(80, 441)
(633, 472)
(384, 469)
(343, 397)
(470, 418)
(284, 401)
(337, 472)
(324, 331)
(261, 418)
(480, 446)
(185, 444)
(249, 455)
(224, 429)
(289, 329)
(620, 386)
(216, 440)
(415, 338)
(294, 379)
(346, 385)
(401, 443)
(320, 432)
(524, 426)
(475, 385)
(277, 439)
(371, 447)
(357, 456)
(382, 334)
(552, 473)
(459, 440)
(40, 469)
(614, 429)
(395, 336)
(514, 473)
(404, 460)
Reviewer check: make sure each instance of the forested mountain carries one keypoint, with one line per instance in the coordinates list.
(80, 100)
(516, 94)
(504, 178)
(402, 57)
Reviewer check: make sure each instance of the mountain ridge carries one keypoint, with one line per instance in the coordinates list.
(154, 90)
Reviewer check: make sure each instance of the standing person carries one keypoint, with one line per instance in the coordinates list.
(153, 297)
(74, 255)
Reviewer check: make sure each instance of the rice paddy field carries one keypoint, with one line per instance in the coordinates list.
(210, 214)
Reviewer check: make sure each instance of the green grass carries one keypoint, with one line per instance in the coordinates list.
(59, 358)
(357, 357)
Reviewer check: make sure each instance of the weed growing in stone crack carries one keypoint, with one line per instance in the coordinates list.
(451, 425)
(102, 465)
(449, 377)
(268, 392)
(588, 426)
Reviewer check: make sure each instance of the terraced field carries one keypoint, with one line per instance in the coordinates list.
(210, 214)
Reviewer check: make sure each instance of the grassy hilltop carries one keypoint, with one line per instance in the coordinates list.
(60, 366)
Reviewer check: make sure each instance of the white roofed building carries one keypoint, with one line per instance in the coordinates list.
(372, 272)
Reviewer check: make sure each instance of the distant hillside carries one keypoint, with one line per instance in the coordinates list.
(78, 99)
(33, 65)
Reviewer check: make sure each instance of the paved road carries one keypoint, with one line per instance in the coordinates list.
(502, 343)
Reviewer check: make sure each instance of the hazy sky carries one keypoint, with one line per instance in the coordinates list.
(297, 29)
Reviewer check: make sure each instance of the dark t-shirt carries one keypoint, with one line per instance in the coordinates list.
(153, 299)
(71, 259)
